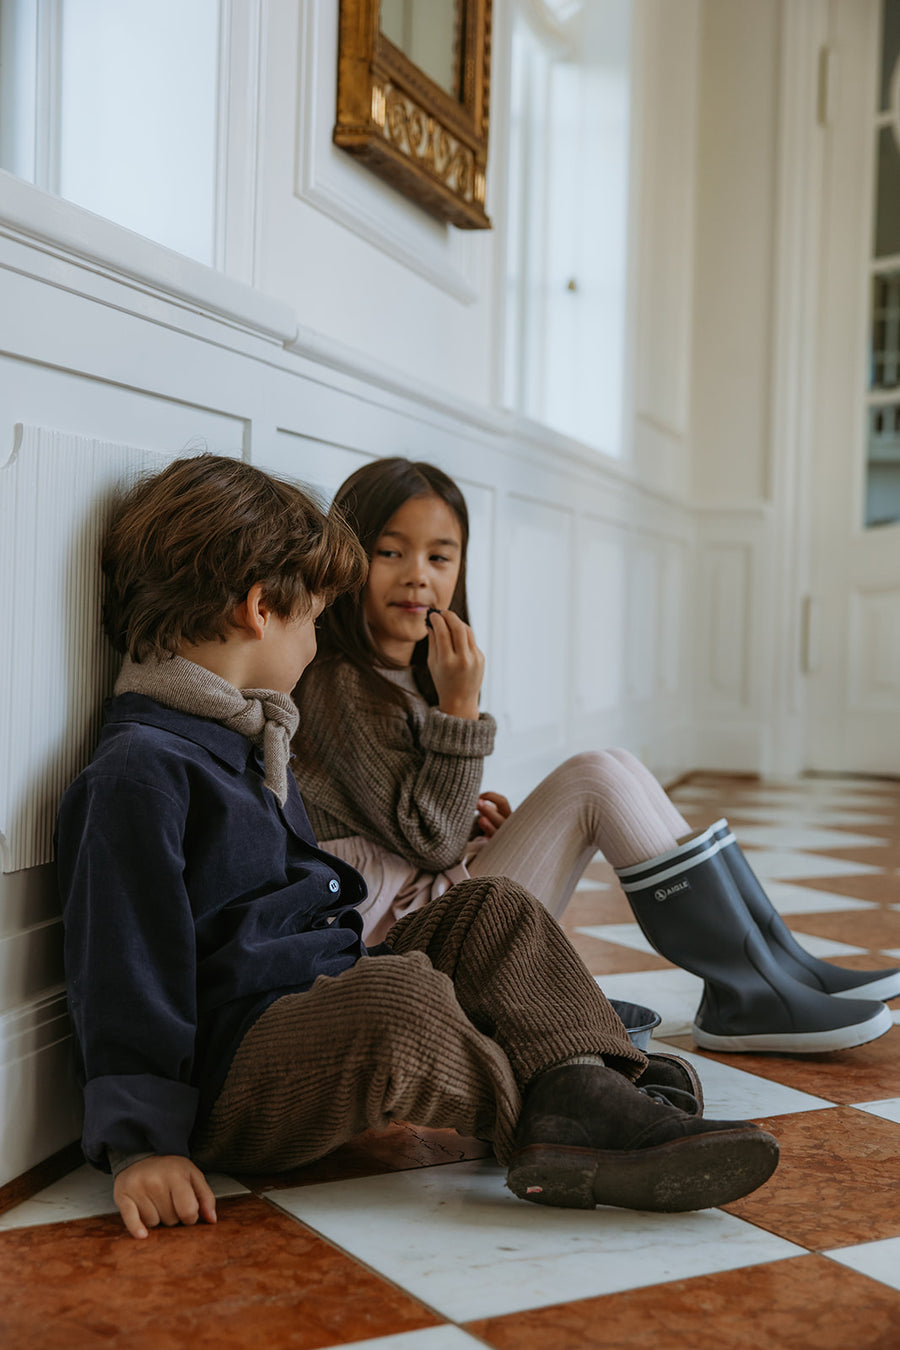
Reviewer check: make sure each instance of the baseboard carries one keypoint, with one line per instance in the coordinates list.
(52, 1169)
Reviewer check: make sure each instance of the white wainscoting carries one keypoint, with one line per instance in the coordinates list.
(733, 635)
(874, 648)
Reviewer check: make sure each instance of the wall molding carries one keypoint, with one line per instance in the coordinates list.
(332, 182)
(42, 221)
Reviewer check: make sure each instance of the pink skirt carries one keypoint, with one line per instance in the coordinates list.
(395, 886)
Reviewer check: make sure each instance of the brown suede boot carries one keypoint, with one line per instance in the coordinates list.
(587, 1136)
(665, 1072)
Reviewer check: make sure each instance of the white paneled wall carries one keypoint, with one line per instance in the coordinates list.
(874, 676)
(730, 608)
(55, 500)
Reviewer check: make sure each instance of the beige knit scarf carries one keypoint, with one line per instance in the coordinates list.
(265, 716)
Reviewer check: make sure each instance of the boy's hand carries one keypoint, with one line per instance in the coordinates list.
(455, 663)
(493, 809)
(166, 1190)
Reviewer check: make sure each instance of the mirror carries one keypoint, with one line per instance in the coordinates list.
(413, 99)
(426, 31)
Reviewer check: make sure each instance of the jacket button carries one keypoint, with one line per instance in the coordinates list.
(334, 886)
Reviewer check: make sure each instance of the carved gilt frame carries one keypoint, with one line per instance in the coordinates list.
(404, 126)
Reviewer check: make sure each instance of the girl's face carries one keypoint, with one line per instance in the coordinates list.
(414, 568)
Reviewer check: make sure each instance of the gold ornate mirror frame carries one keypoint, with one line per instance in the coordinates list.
(404, 126)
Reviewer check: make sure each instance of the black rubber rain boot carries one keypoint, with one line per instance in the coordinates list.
(835, 980)
(690, 909)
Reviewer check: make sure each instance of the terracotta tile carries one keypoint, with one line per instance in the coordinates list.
(611, 958)
(874, 855)
(256, 1279)
(836, 1183)
(867, 1073)
(730, 781)
(590, 907)
(878, 888)
(889, 831)
(802, 1304)
(600, 870)
(876, 929)
(399, 1148)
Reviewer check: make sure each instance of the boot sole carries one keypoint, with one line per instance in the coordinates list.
(696, 1172)
(802, 1042)
(882, 989)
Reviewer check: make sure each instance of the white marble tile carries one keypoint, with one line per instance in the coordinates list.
(807, 814)
(733, 1094)
(85, 1192)
(454, 1237)
(879, 1260)
(674, 994)
(625, 934)
(819, 946)
(586, 884)
(795, 795)
(786, 837)
(428, 1338)
(889, 1109)
(786, 865)
(630, 935)
(790, 899)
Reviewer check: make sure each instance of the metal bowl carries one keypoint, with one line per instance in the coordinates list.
(639, 1021)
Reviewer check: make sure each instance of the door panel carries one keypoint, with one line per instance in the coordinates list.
(855, 685)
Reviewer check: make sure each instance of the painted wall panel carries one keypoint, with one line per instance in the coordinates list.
(641, 622)
(874, 650)
(538, 586)
(724, 623)
(599, 620)
(55, 494)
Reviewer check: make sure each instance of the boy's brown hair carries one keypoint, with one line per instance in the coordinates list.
(186, 545)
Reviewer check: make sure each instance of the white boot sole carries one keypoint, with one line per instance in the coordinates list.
(880, 990)
(808, 1042)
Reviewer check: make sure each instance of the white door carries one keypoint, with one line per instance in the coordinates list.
(854, 651)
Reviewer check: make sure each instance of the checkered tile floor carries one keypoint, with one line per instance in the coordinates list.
(407, 1240)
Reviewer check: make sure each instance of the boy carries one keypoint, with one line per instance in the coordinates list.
(226, 1011)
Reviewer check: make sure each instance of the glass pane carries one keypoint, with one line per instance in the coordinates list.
(885, 347)
(137, 138)
(883, 465)
(427, 32)
(18, 61)
(887, 210)
(890, 49)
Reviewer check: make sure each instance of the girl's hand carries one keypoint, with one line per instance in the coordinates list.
(493, 809)
(455, 663)
(167, 1190)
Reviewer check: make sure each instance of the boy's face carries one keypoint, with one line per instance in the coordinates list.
(287, 648)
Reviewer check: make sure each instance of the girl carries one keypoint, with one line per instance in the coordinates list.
(389, 760)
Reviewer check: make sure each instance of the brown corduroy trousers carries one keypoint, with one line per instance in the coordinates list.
(482, 992)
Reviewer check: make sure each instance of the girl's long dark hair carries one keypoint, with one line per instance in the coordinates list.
(367, 501)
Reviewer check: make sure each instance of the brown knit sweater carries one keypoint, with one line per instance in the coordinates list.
(408, 780)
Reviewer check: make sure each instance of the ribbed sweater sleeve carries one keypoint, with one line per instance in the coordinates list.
(408, 780)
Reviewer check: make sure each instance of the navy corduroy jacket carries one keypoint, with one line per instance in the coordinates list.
(191, 901)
